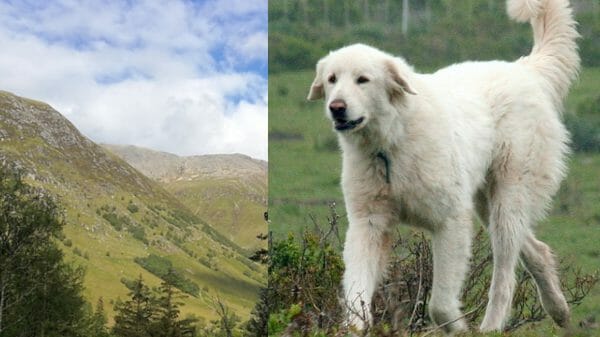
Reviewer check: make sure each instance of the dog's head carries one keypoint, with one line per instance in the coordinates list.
(360, 84)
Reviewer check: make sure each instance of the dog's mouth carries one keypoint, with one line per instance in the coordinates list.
(341, 124)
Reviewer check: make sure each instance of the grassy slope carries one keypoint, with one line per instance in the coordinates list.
(224, 202)
(304, 167)
(231, 201)
(85, 178)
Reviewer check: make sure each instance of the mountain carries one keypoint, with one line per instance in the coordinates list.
(119, 223)
(228, 191)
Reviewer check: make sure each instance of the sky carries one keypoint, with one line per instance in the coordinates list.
(186, 77)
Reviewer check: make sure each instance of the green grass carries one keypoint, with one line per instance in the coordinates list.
(586, 87)
(304, 176)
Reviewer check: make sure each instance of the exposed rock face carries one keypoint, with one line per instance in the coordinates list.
(167, 167)
(39, 136)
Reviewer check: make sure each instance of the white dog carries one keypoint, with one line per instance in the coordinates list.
(430, 150)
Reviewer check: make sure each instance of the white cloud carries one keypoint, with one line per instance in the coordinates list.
(171, 75)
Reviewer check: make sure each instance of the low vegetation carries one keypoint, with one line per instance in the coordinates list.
(109, 213)
(305, 275)
(163, 267)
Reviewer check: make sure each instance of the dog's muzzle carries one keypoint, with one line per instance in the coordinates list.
(343, 124)
(337, 108)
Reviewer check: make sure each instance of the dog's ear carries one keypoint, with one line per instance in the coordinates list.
(397, 85)
(316, 88)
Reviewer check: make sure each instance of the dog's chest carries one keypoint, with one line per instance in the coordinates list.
(381, 183)
(414, 201)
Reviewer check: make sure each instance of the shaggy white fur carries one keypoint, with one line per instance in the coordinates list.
(431, 150)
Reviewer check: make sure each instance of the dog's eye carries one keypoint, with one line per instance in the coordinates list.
(332, 78)
(362, 79)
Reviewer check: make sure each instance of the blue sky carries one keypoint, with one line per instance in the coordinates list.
(187, 77)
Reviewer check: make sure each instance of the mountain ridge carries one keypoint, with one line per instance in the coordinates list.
(209, 165)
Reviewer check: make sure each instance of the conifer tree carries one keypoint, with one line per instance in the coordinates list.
(168, 323)
(134, 318)
(168, 308)
(40, 294)
(98, 321)
(257, 326)
(227, 321)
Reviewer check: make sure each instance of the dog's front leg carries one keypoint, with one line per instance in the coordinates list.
(366, 253)
(451, 244)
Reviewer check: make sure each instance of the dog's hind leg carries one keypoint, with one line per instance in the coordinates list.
(508, 227)
(539, 261)
(451, 251)
(366, 252)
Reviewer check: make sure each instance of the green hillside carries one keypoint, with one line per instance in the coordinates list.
(228, 191)
(226, 204)
(114, 214)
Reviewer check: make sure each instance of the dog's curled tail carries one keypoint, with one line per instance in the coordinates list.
(554, 54)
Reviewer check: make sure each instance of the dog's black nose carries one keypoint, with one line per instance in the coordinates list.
(338, 109)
